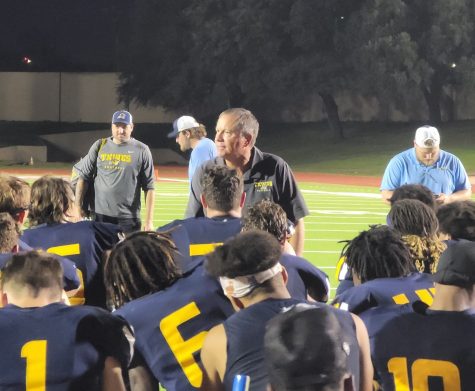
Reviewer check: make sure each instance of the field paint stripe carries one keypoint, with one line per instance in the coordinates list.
(321, 252)
(343, 193)
(330, 230)
(323, 240)
(362, 223)
(345, 212)
(173, 180)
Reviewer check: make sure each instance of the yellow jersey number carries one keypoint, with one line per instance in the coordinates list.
(34, 352)
(183, 349)
(420, 371)
(66, 250)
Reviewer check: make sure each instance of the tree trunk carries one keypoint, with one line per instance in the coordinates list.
(333, 117)
(235, 95)
(433, 96)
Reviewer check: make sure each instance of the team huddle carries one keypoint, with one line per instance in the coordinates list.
(222, 299)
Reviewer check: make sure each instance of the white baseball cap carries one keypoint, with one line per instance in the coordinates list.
(183, 123)
(427, 137)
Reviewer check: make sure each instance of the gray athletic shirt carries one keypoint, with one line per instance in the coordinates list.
(122, 171)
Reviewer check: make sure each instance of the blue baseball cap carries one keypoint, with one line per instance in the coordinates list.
(122, 116)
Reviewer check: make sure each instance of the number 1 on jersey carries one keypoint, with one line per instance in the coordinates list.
(35, 354)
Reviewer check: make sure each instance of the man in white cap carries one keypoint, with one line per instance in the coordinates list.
(191, 134)
(428, 165)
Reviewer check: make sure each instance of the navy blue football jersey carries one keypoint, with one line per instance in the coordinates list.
(57, 347)
(83, 243)
(387, 291)
(197, 236)
(71, 277)
(170, 327)
(304, 278)
(427, 350)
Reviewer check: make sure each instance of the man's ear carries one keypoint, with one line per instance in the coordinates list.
(203, 201)
(247, 139)
(285, 275)
(243, 200)
(131, 126)
(15, 248)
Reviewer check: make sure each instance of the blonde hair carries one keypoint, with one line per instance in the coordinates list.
(425, 251)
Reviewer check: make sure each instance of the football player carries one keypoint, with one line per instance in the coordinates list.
(83, 242)
(47, 345)
(171, 310)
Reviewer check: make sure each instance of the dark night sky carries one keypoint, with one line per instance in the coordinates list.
(64, 35)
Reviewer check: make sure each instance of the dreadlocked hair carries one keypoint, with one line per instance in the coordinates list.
(378, 252)
(141, 264)
(425, 251)
(413, 217)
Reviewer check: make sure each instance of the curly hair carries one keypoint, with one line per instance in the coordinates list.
(14, 195)
(145, 262)
(222, 188)
(414, 192)
(378, 252)
(9, 232)
(418, 225)
(51, 200)
(425, 251)
(267, 216)
(458, 219)
(247, 253)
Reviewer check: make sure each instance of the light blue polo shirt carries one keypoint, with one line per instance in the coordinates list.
(204, 150)
(446, 176)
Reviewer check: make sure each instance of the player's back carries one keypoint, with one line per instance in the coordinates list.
(170, 327)
(387, 291)
(83, 243)
(198, 236)
(57, 347)
(427, 350)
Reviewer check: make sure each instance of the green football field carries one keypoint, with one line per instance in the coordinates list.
(337, 213)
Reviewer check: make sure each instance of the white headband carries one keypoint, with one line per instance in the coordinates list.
(243, 285)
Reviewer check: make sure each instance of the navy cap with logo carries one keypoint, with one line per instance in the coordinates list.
(457, 265)
(122, 116)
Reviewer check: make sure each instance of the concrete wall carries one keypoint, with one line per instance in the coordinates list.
(67, 97)
(92, 97)
(24, 154)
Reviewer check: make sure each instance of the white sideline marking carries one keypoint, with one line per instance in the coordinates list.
(343, 193)
(347, 212)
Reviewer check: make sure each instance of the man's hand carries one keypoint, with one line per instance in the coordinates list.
(147, 227)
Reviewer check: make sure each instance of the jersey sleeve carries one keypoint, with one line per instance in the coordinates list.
(70, 275)
(290, 198)
(109, 334)
(316, 281)
(355, 300)
(392, 175)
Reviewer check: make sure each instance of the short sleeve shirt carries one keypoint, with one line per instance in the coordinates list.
(122, 171)
(204, 150)
(269, 177)
(446, 176)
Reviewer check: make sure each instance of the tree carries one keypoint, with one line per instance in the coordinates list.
(265, 54)
(406, 48)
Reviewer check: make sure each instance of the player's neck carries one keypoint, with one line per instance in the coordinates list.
(451, 298)
(210, 213)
